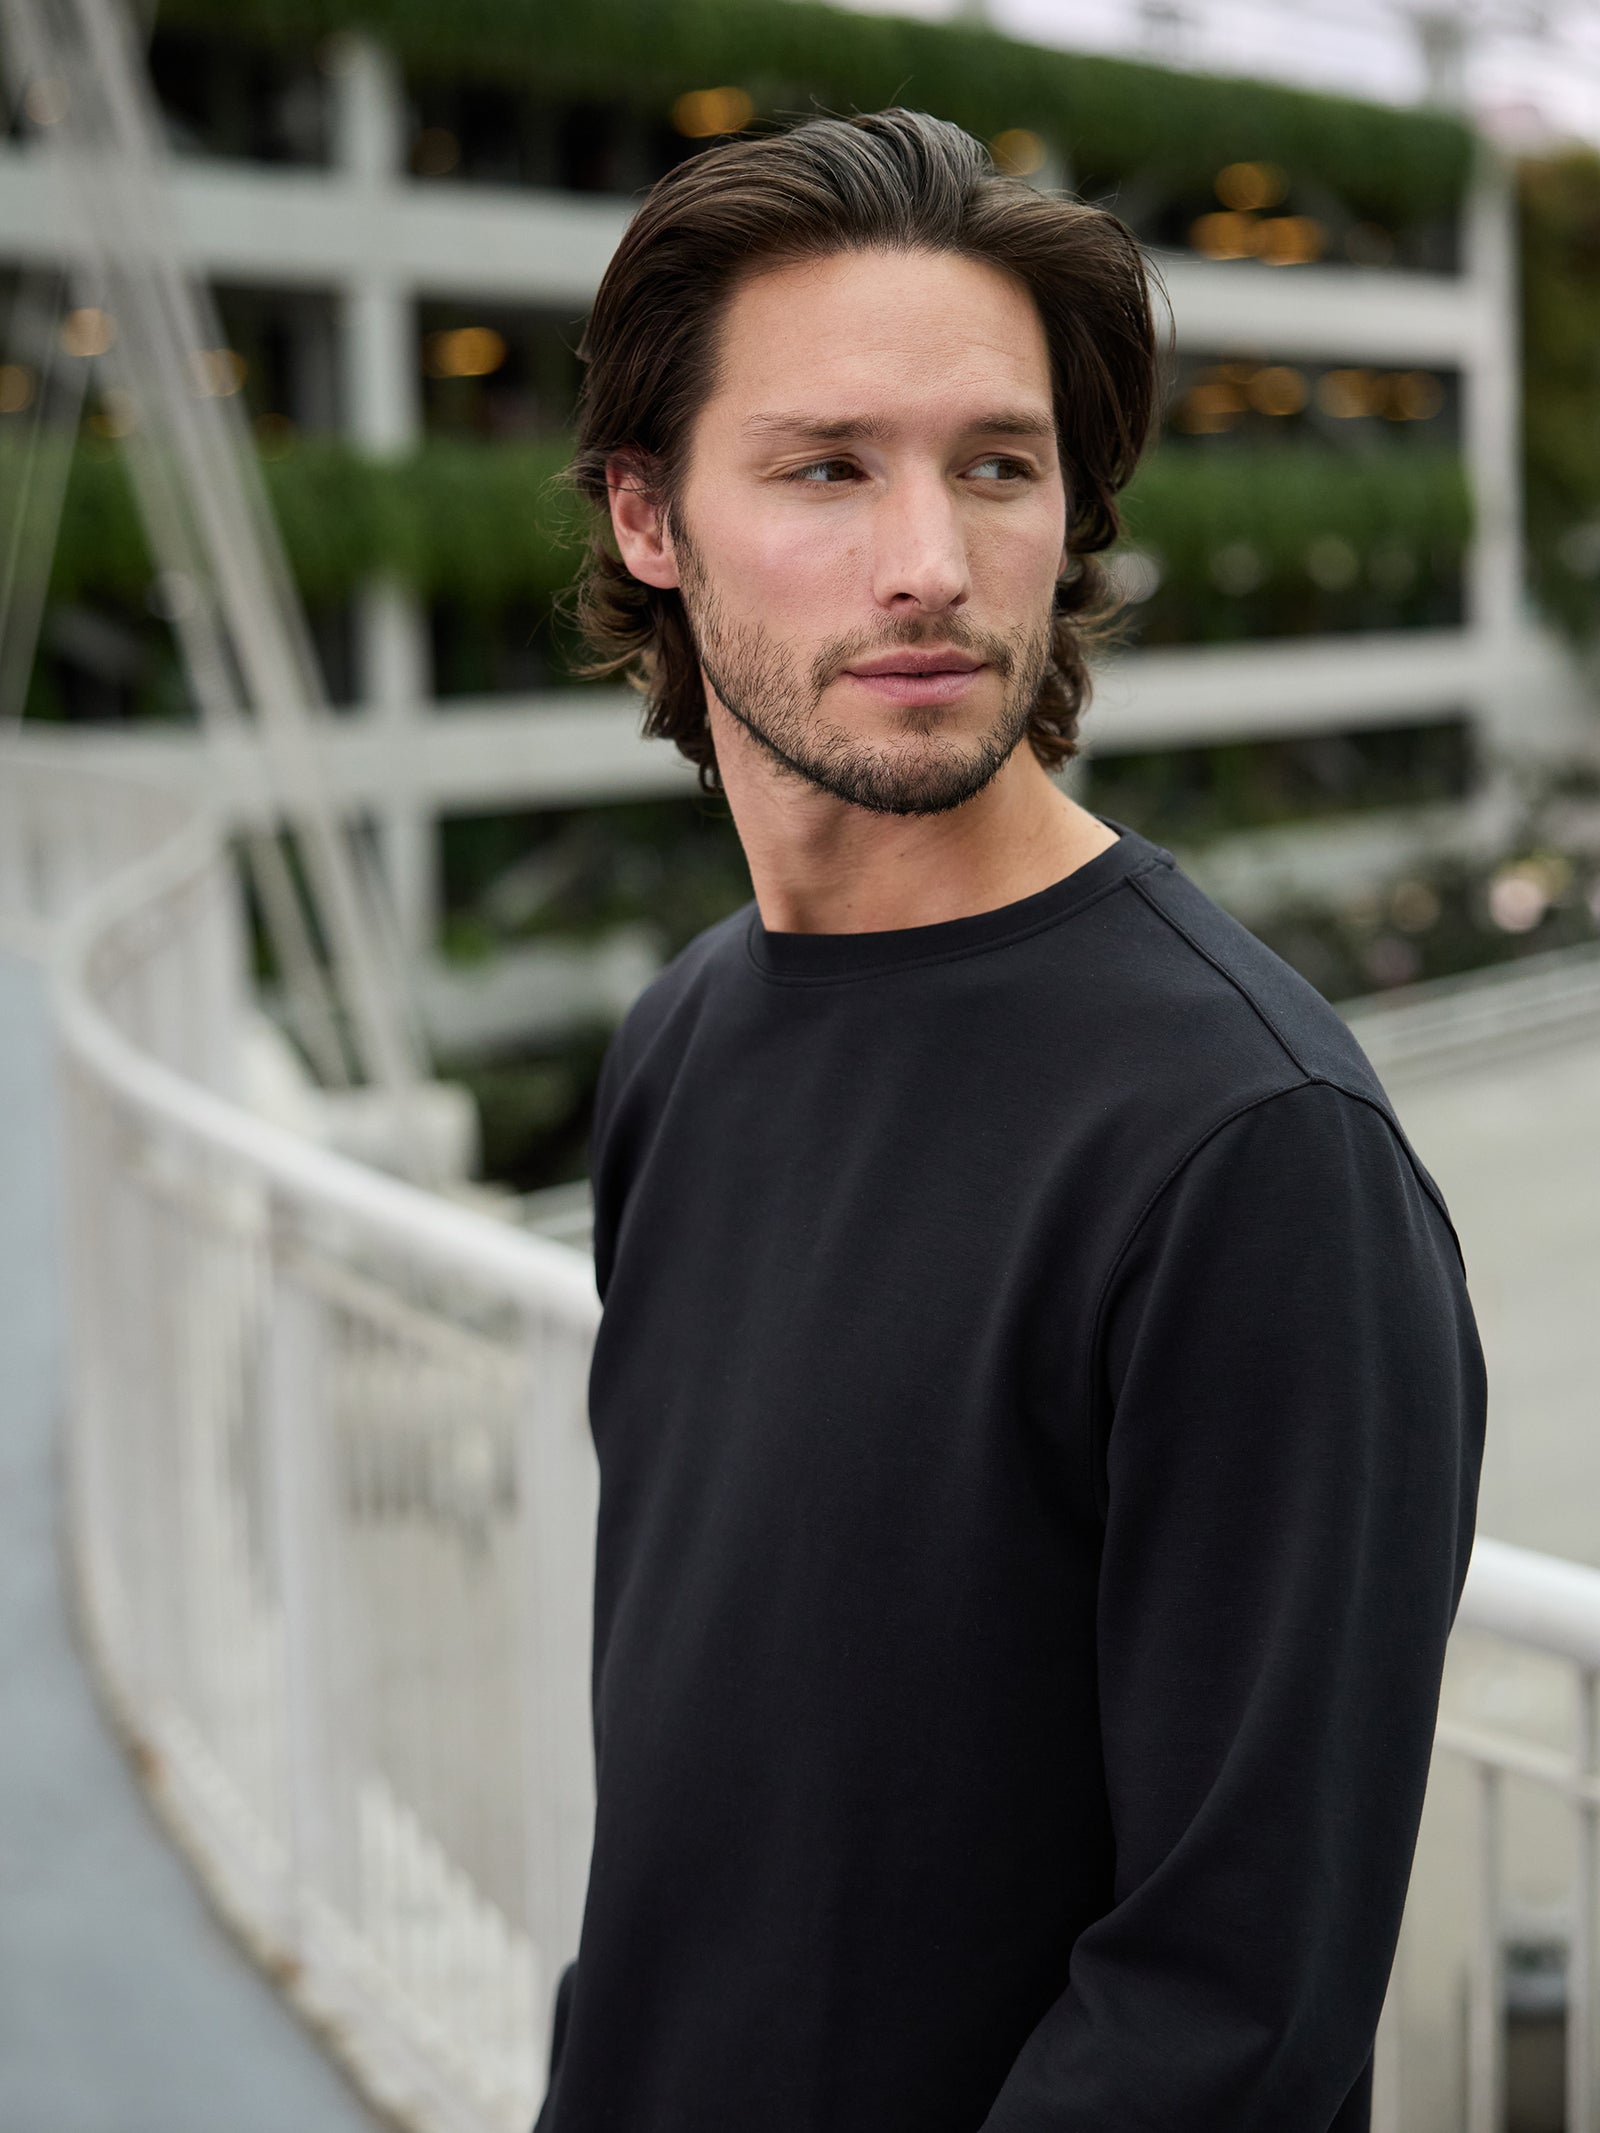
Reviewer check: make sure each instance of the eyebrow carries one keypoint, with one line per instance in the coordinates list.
(817, 429)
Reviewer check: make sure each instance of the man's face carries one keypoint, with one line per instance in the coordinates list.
(870, 528)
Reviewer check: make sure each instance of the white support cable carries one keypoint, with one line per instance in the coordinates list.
(34, 504)
(199, 488)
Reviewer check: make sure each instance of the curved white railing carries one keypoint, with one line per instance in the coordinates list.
(331, 1495)
(331, 1506)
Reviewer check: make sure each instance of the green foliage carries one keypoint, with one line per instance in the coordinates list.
(1184, 504)
(1297, 539)
(480, 524)
(1560, 204)
(1111, 117)
(488, 524)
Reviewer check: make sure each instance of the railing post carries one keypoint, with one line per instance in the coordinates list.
(1486, 2001)
(1581, 1960)
(1386, 2060)
(557, 1502)
(298, 1466)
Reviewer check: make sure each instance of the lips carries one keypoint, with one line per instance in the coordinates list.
(918, 679)
(909, 662)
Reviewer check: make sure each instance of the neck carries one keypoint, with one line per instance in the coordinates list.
(821, 865)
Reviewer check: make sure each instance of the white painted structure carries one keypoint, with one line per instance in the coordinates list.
(384, 241)
(330, 1514)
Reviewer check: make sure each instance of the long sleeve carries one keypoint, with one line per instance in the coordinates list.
(1295, 1402)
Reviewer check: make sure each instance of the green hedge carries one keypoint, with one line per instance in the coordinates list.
(1112, 117)
(486, 525)
(1560, 203)
(1185, 504)
(481, 524)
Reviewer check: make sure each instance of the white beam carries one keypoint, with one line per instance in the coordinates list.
(316, 228)
(1334, 314)
(1271, 689)
(319, 229)
(577, 748)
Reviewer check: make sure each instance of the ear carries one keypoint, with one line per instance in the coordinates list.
(639, 521)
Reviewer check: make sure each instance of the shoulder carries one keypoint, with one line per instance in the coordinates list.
(1222, 1038)
(1229, 1020)
(682, 987)
(661, 1019)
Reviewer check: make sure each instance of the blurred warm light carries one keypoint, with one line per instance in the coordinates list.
(16, 388)
(434, 152)
(463, 352)
(1346, 393)
(1211, 404)
(45, 100)
(1414, 396)
(1277, 390)
(1289, 240)
(1018, 152)
(218, 372)
(87, 332)
(1249, 186)
(1224, 236)
(116, 416)
(1518, 898)
(703, 113)
(1332, 563)
(1414, 906)
(275, 434)
(1400, 396)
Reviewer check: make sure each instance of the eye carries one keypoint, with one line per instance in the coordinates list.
(824, 473)
(1001, 468)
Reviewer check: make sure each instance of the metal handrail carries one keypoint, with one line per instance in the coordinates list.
(325, 1430)
(529, 1267)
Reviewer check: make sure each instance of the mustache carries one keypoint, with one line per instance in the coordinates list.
(919, 632)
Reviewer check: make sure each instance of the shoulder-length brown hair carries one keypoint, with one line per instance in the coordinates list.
(893, 179)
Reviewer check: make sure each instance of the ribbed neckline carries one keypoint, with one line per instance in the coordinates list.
(821, 958)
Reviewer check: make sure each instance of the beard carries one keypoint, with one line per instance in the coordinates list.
(776, 696)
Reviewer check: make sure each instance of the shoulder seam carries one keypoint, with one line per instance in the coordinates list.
(1228, 976)
(1384, 1108)
(1094, 1433)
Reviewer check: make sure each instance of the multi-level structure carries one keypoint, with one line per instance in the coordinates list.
(405, 222)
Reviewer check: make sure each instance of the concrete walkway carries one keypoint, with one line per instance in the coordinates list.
(124, 2006)
(1515, 1147)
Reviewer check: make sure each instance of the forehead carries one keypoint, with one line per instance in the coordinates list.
(895, 336)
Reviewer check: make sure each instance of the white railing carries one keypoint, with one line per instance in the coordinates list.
(331, 1507)
(1447, 1023)
(1533, 1730)
(331, 1494)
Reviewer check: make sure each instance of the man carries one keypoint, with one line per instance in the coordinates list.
(1037, 1402)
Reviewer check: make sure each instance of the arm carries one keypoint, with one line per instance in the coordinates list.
(1296, 1400)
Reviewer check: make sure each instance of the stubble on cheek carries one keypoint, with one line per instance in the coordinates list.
(927, 767)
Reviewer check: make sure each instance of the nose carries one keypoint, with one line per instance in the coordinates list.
(919, 548)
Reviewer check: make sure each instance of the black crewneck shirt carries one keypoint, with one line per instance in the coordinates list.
(1039, 1414)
